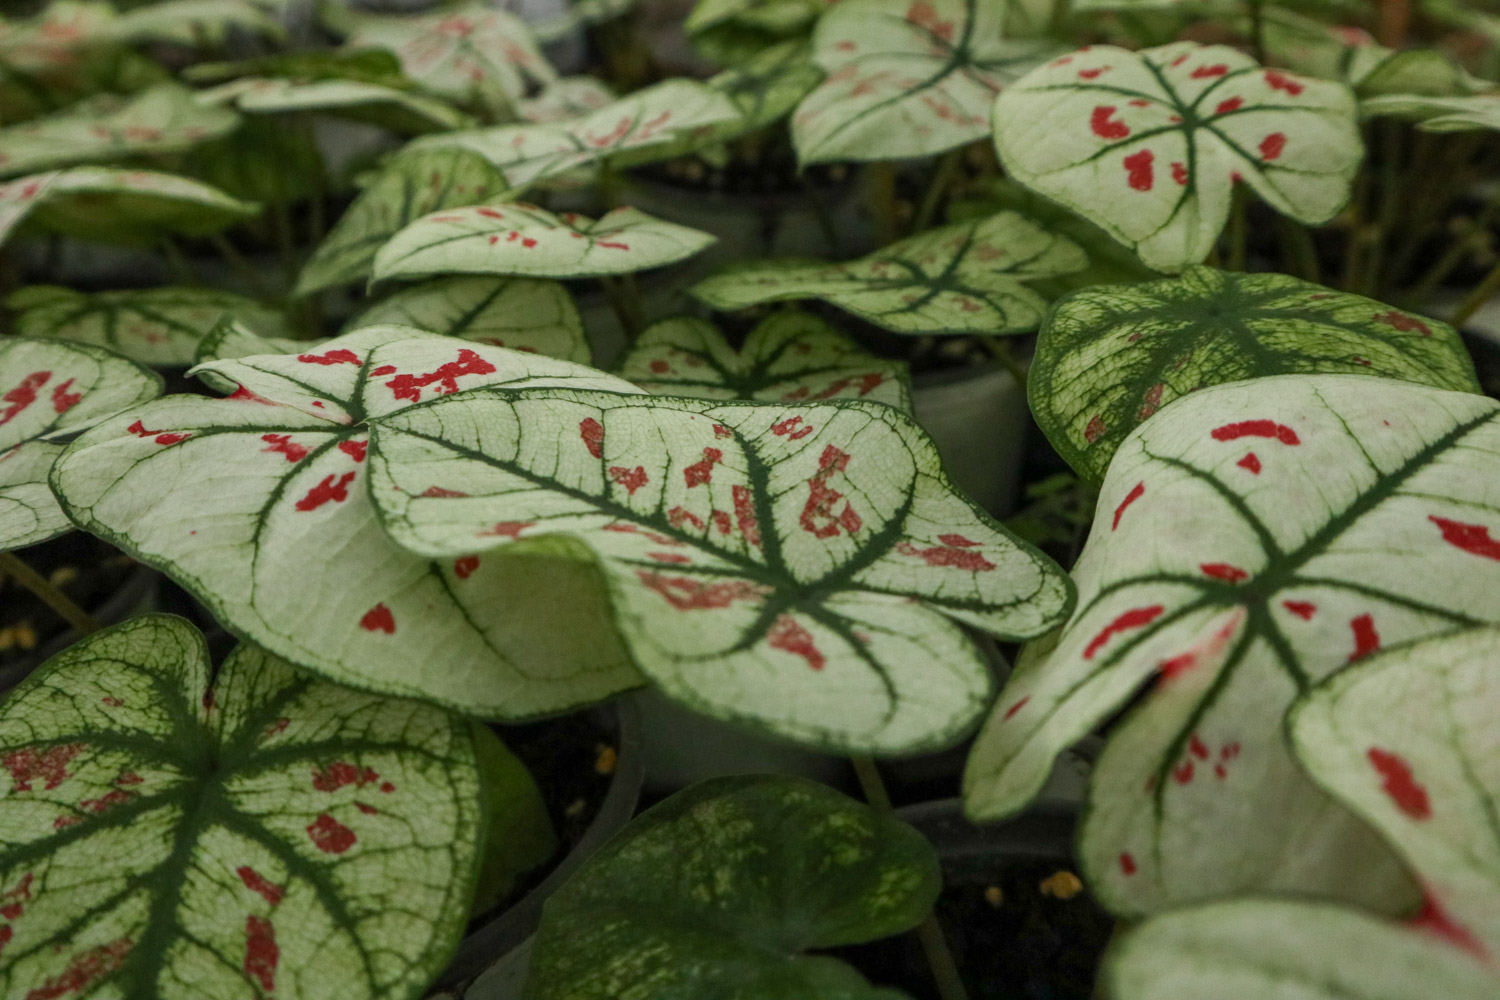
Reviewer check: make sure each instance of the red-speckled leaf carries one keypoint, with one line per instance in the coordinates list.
(791, 356)
(515, 239)
(396, 109)
(1251, 539)
(53, 41)
(565, 99)
(236, 498)
(263, 834)
(1407, 740)
(49, 390)
(199, 23)
(1150, 144)
(795, 568)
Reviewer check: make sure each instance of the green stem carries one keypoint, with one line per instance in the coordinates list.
(1390, 204)
(1258, 30)
(242, 267)
(883, 199)
(937, 188)
(1000, 348)
(1454, 255)
(1237, 238)
(625, 299)
(12, 565)
(1481, 294)
(1302, 255)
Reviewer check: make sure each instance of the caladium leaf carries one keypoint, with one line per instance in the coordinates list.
(969, 277)
(783, 17)
(1340, 52)
(1407, 741)
(519, 239)
(569, 97)
(117, 206)
(1440, 114)
(235, 497)
(790, 356)
(54, 42)
(1150, 144)
(794, 568)
(49, 390)
(765, 88)
(908, 78)
(195, 22)
(164, 119)
(155, 326)
(1228, 565)
(261, 833)
(408, 188)
(391, 107)
(768, 868)
(1110, 356)
(523, 314)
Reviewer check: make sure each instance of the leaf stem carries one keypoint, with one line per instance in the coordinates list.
(625, 299)
(1000, 348)
(883, 198)
(1258, 30)
(12, 565)
(1235, 260)
(1466, 243)
(242, 267)
(1301, 253)
(937, 188)
(1482, 293)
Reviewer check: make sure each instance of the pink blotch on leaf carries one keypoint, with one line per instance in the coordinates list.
(1139, 174)
(354, 449)
(1256, 428)
(1399, 784)
(631, 479)
(787, 635)
(1250, 463)
(258, 884)
(338, 356)
(329, 835)
(465, 565)
(378, 619)
(261, 953)
(1272, 146)
(592, 433)
(328, 491)
(1102, 125)
(1366, 639)
(1134, 618)
(1136, 492)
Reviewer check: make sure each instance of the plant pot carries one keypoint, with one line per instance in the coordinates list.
(979, 420)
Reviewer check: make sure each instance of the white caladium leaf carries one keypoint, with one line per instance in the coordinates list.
(794, 568)
(1150, 144)
(195, 22)
(49, 390)
(55, 38)
(1440, 114)
(475, 55)
(969, 277)
(155, 326)
(164, 119)
(1228, 570)
(908, 78)
(569, 97)
(791, 356)
(171, 835)
(399, 110)
(119, 206)
(235, 498)
(523, 314)
(408, 188)
(1407, 741)
(765, 88)
(1340, 52)
(1110, 356)
(648, 124)
(517, 239)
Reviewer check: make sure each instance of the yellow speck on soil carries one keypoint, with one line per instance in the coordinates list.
(1061, 884)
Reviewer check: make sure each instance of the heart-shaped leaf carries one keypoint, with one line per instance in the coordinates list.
(1440, 114)
(797, 569)
(969, 277)
(523, 314)
(763, 869)
(235, 498)
(155, 326)
(164, 119)
(390, 107)
(49, 390)
(1110, 356)
(1149, 144)
(117, 206)
(410, 187)
(790, 356)
(908, 78)
(564, 99)
(1407, 741)
(198, 23)
(263, 834)
(518, 239)
(1231, 566)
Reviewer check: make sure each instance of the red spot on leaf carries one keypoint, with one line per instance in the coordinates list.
(612, 246)
(383, 371)
(1366, 639)
(50, 765)
(256, 883)
(1224, 571)
(720, 431)
(1272, 146)
(660, 367)
(668, 557)
(1399, 784)
(378, 619)
(354, 449)
(1302, 609)
(365, 808)
(341, 773)
(1402, 322)
(162, 438)
(329, 835)
(1280, 81)
(282, 444)
(744, 514)
(1472, 538)
(1016, 707)
(387, 787)
(338, 356)
(240, 392)
(464, 565)
(438, 491)
(818, 517)
(1251, 463)
(1134, 618)
(1136, 492)
(1196, 747)
(1139, 174)
(62, 399)
(327, 491)
(788, 429)
(261, 953)
(111, 701)
(686, 594)
(114, 797)
(944, 555)
(1150, 401)
(1183, 773)
(1093, 74)
(1433, 919)
(786, 634)
(1256, 428)
(923, 14)
(1102, 124)
(1232, 104)
(1095, 429)
(1127, 864)
(445, 378)
(82, 970)
(701, 472)
(678, 516)
(592, 432)
(1179, 173)
(506, 529)
(721, 521)
(1207, 72)
(631, 479)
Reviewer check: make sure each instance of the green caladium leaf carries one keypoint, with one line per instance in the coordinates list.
(172, 834)
(790, 356)
(569, 97)
(523, 314)
(408, 188)
(970, 277)
(394, 108)
(518, 239)
(908, 78)
(1150, 144)
(1228, 571)
(765, 88)
(485, 636)
(117, 206)
(1431, 788)
(195, 22)
(164, 119)
(781, 17)
(1440, 114)
(154, 326)
(1110, 356)
(764, 868)
(793, 568)
(48, 391)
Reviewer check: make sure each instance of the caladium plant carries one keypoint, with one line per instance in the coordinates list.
(397, 109)
(1226, 574)
(1459, 113)
(171, 833)
(1430, 788)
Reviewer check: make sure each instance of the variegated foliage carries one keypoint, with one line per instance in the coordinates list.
(197, 23)
(391, 107)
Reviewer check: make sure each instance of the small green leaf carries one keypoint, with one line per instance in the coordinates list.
(518, 834)
(523, 314)
(1440, 114)
(762, 870)
(516, 239)
(154, 326)
(1110, 356)
(794, 568)
(969, 277)
(410, 187)
(197, 23)
(49, 390)
(908, 78)
(790, 356)
(1150, 144)
(263, 834)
